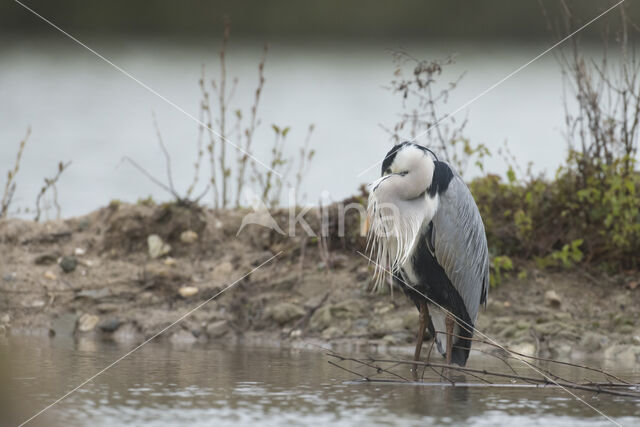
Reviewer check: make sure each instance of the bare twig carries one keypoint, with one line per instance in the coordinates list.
(481, 374)
(50, 183)
(10, 185)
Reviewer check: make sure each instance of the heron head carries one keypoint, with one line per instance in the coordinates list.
(407, 172)
(399, 203)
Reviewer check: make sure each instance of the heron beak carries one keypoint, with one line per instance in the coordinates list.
(365, 227)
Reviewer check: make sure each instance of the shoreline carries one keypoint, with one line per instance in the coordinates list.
(94, 277)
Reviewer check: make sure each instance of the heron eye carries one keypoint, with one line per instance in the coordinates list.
(403, 173)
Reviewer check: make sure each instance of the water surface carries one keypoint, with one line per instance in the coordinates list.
(235, 384)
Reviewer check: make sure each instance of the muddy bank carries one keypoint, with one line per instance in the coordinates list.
(102, 276)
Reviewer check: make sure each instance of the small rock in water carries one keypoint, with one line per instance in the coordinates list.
(182, 337)
(188, 237)
(87, 322)
(593, 341)
(68, 263)
(187, 291)
(50, 275)
(552, 299)
(157, 247)
(109, 325)
(64, 324)
(126, 333)
(217, 329)
(79, 251)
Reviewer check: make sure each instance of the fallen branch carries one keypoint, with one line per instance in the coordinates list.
(621, 388)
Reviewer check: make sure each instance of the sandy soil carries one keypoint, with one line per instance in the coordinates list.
(114, 289)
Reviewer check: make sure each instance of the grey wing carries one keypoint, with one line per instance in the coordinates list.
(460, 244)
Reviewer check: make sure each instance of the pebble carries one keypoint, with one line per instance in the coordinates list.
(222, 270)
(68, 263)
(50, 275)
(79, 251)
(169, 261)
(64, 325)
(217, 329)
(126, 333)
(46, 259)
(284, 312)
(188, 237)
(182, 337)
(552, 299)
(109, 325)
(157, 247)
(87, 322)
(187, 291)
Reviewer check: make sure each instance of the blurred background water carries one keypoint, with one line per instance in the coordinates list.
(328, 65)
(82, 109)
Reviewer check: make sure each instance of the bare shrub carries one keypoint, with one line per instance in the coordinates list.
(50, 186)
(10, 185)
(416, 81)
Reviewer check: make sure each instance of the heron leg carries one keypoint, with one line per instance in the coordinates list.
(424, 318)
(449, 322)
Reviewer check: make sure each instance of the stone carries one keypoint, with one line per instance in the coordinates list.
(46, 259)
(83, 225)
(33, 303)
(223, 270)
(126, 333)
(321, 319)
(79, 251)
(284, 312)
(217, 329)
(386, 325)
(188, 237)
(64, 325)
(109, 325)
(593, 341)
(187, 291)
(87, 322)
(169, 261)
(622, 353)
(157, 247)
(50, 275)
(182, 337)
(93, 293)
(68, 263)
(552, 299)
(331, 332)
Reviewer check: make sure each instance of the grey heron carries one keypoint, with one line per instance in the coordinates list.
(425, 228)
